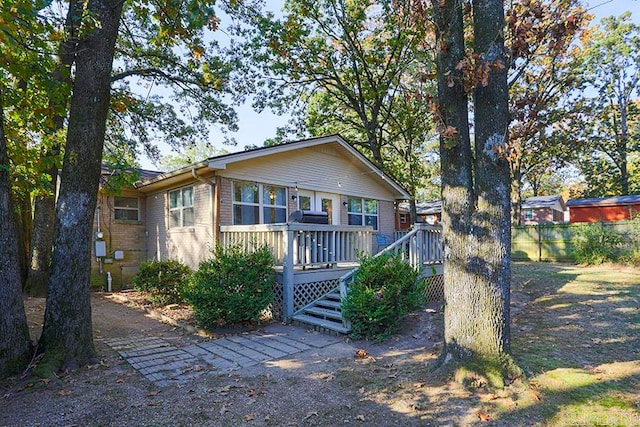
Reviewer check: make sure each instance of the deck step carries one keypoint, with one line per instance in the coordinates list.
(336, 305)
(323, 323)
(324, 313)
(333, 296)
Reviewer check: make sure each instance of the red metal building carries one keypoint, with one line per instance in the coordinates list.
(606, 209)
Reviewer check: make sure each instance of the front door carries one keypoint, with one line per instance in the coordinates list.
(320, 202)
(328, 203)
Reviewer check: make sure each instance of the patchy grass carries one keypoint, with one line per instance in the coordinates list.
(575, 333)
(578, 339)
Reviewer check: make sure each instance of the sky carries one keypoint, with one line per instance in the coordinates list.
(255, 128)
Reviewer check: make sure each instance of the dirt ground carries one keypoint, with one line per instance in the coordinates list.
(315, 389)
(574, 330)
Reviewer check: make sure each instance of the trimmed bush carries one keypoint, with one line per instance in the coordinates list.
(386, 288)
(597, 244)
(163, 280)
(233, 287)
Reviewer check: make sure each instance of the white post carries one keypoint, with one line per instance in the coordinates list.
(287, 273)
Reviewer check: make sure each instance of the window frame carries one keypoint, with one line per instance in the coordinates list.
(182, 208)
(362, 211)
(528, 214)
(117, 208)
(260, 204)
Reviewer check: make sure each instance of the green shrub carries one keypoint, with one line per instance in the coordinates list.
(385, 289)
(595, 244)
(163, 280)
(233, 287)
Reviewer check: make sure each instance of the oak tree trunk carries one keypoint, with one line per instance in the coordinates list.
(475, 188)
(15, 344)
(44, 206)
(67, 336)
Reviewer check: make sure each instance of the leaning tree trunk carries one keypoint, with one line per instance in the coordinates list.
(15, 345)
(45, 206)
(67, 336)
(476, 193)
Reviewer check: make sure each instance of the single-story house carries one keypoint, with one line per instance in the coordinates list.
(429, 212)
(179, 214)
(605, 209)
(542, 210)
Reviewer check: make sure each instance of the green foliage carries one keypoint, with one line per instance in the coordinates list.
(607, 133)
(596, 244)
(163, 280)
(353, 68)
(385, 289)
(232, 287)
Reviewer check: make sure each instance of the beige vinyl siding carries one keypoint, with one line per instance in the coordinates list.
(328, 168)
(190, 245)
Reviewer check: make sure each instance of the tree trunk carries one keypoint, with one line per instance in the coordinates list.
(492, 224)
(41, 244)
(476, 193)
(25, 226)
(67, 336)
(15, 344)
(44, 206)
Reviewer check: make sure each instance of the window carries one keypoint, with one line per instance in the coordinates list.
(126, 209)
(362, 212)
(181, 212)
(258, 204)
(528, 214)
(305, 202)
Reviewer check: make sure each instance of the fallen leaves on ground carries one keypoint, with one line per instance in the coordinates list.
(484, 417)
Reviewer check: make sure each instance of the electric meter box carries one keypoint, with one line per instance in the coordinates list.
(118, 255)
(101, 248)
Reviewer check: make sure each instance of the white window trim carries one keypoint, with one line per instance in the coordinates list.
(363, 214)
(181, 208)
(261, 205)
(126, 208)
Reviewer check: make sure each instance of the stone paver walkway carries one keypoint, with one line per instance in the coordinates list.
(164, 363)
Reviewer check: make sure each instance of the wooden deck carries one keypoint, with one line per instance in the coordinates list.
(314, 263)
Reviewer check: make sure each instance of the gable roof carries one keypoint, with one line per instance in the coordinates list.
(539, 202)
(222, 161)
(606, 201)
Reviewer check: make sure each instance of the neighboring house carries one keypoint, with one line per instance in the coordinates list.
(179, 213)
(429, 212)
(605, 209)
(542, 210)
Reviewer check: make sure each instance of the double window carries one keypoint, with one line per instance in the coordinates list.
(181, 213)
(126, 209)
(258, 203)
(363, 212)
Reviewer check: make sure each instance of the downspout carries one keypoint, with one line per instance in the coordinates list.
(211, 193)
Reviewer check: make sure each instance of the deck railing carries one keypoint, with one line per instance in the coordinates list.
(422, 246)
(296, 246)
(303, 245)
